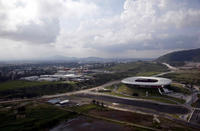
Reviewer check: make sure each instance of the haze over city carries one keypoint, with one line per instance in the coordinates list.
(102, 28)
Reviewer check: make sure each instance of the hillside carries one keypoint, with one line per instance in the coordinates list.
(192, 55)
(139, 68)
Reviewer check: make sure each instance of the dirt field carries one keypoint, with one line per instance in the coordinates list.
(140, 119)
(82, 123)
(125, 116)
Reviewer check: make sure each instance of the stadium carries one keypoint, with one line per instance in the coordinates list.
(147, 82)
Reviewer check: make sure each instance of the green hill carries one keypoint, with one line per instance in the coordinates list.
(139, 68)
(192, 55)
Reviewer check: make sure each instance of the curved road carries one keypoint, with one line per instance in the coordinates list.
(83, 91)
(165, 108)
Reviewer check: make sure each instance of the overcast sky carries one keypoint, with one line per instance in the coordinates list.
(101, 28)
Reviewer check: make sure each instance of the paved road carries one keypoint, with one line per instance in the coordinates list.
(165, 108)
(195, 117)
(170, 67)
(83, 91)
(62, 94)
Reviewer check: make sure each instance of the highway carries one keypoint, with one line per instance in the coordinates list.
(170, 67)
(165, 108)
(62, 94)
(195, 117)
(82, 91)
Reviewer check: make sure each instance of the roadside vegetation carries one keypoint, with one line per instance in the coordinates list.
(29, 89)
(185, 76)
(134, 92)
(180, 88)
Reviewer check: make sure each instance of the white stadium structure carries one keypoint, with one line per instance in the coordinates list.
(147, 82)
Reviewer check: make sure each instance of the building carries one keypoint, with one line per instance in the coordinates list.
(30, 78)
(147, 82)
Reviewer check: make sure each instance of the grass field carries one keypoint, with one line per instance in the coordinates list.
(28, 89)
(139, 66)
(153, 94)
(176, 87)
(148, 73)
(122, 88)
(185, 76)
(23, 84)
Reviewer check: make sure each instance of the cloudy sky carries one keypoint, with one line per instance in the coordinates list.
(101, 28)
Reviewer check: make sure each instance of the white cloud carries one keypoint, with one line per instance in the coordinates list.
(141, 24)
(100, 27)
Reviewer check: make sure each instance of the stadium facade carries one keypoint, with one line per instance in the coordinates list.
(147, 82)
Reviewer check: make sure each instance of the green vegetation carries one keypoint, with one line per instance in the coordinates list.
(22, 89)
(134, 92)
(147, 73)
(159, 99)
(137, 68)
(185, 77)
(32, 117)
(176, 87)
(23, 84)
(129, 90)
(178, 57)
(182, 101)
(162, 99)
(35, 116)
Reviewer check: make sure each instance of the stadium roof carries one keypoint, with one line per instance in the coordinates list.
(147, 81)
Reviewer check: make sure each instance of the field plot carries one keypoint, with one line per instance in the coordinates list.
(82, 123)
(140, 119)
(31, 116)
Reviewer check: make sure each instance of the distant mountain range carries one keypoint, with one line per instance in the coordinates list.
(192, 55)
(61, 59)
